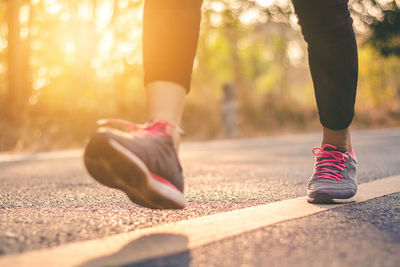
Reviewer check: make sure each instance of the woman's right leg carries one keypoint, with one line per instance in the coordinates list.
(170, 34)
(145, 164)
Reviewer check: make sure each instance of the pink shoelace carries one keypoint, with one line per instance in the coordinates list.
(325, 159)
(155, 128)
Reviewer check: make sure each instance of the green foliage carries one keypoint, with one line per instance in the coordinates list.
(383, 20)
(386, 33)
(85, 64)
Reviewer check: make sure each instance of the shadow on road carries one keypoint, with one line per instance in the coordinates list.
(136, 252)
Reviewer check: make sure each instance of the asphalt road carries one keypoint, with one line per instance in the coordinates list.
(364, 234)
(51, 202)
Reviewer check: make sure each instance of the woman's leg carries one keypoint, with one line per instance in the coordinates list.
(332, 51)
(170, 34)
(145, 164)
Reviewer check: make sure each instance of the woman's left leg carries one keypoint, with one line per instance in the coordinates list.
(332, 51)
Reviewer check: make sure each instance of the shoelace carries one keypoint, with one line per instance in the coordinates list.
(155, 127)
(325, 159)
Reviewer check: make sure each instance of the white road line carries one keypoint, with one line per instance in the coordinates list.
(181, 236)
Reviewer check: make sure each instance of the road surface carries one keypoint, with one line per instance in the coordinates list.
(48, 203)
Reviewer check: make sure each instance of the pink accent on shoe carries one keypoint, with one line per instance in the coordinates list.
(155, 128)
(353, 154)
(325, 159)
(164, 181)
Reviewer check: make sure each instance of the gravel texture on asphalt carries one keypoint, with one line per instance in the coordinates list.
(363, 234)
(51, 202)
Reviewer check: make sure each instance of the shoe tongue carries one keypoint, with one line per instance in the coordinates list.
(332, 148)
(340, 149)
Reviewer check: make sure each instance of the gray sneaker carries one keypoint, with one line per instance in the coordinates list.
(143, 163)
(334, 179)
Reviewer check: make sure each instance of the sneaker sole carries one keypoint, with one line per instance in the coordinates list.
(117, 167)
(325, 198)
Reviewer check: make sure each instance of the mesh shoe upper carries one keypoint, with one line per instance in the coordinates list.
(152, 143)
(335, 173)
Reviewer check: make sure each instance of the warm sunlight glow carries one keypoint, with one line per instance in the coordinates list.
(66, 63)
(84, 35)
(69, 47)
(84, 10)
(106, 42)
(53, 6)
(265, 3)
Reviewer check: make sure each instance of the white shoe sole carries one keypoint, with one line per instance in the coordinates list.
(324, 198)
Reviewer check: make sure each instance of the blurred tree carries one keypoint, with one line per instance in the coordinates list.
(386, 32)
(15, 88)
(239, 22)
(82, 59)
(382, 17)
(18, 51)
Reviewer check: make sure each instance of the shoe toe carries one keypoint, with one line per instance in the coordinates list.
(335, 189)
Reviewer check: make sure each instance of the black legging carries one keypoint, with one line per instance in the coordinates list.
(171, 29)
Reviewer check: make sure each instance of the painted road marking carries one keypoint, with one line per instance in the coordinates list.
(181, 236)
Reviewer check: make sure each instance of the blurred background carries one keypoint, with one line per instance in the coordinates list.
(66, 63)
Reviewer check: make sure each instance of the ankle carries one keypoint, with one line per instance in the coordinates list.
(165, 101)
(176, 137)
(338, 138)
(347, 147)
(174, 131)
